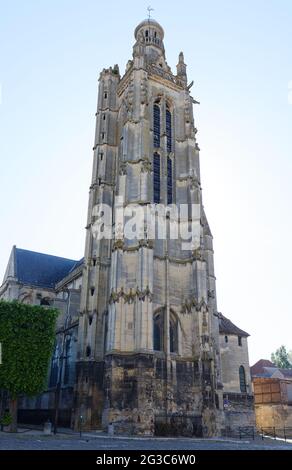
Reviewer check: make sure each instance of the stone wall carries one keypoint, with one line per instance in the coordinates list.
(273, 415)
(144, 393)
(238, 411)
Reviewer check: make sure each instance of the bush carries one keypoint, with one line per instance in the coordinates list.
(6, 419)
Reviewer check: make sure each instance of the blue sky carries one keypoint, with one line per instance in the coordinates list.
(239, 56)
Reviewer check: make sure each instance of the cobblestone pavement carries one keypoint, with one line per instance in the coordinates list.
(30, 441)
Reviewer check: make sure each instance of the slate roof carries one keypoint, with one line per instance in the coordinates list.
(77, 265)
(40, 270)
(226, 327)
(287, 373)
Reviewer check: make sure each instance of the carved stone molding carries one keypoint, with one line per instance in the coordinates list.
(131, 296)
(188, 306)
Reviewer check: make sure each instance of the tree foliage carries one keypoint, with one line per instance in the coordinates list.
(282, 358)
(27, 334)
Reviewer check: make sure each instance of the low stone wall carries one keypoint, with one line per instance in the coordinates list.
(238, 411)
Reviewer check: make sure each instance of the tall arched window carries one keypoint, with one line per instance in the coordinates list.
(173, 336)
(169, 180)
(158, 332)
(67, 361)
(242, 379)
(168, 130)
(156, 125)
(156, 178)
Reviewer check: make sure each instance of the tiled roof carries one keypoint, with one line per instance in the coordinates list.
(258, 367)
(38, 269)
(265, 368)
(228, 328)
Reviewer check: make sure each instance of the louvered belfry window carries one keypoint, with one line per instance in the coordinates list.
(156, 126)
(169, 180)
(156, 177)
(168, 130)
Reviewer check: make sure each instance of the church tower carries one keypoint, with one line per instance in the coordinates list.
(148, 344)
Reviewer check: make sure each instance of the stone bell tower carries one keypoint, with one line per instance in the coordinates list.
(148, 352)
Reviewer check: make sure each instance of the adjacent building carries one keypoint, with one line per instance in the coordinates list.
(273, 395)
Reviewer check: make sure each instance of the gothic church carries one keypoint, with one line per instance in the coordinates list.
(140, 343)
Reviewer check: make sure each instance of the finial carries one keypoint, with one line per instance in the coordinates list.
(149, 12)
(181, 58)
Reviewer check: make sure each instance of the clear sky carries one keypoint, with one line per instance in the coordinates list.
(239, 55)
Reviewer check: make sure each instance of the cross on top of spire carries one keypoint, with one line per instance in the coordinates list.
(149, 9)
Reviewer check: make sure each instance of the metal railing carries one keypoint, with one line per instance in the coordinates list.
(274, 432)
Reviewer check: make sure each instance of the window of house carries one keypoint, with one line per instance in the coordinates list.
(156, 178)
(242, 379)
(88, 351)
(239, 341)
(226, 339)
(105, 95)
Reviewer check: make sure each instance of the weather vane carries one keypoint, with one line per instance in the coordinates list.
(149, 12)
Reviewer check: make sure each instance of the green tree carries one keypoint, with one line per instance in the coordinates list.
(282, 358)
(27, 334)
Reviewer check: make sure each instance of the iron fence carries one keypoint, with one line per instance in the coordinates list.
(274, 432)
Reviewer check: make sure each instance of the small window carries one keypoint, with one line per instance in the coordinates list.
(105, 95)
(92, 290)
(99, 181)
(103, 117)
(226, 339)
(102, 135)
(147, 33)
(88, 351)
(101, 156)
(239, 341)
(45, 302)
